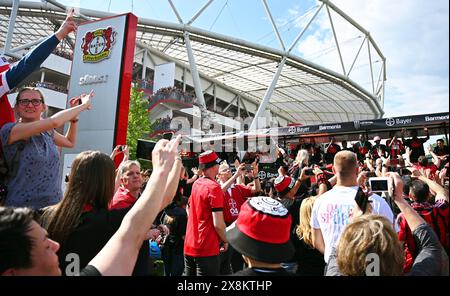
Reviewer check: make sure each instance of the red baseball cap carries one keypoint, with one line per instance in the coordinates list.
(262, 231)
(283, 184)
(208, 159)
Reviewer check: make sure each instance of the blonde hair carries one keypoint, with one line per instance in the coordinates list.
(345, 164)
(223, 166)
(369, 234)
(126, 165)
(304, 228)
(302, 156)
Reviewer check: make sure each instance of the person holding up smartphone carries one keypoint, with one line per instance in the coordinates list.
(336, 204)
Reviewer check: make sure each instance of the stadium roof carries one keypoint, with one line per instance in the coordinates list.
(305, 93)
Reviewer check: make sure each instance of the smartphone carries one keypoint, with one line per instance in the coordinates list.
(361, 199)
(168, 136)
(379, 184)
(309, 172)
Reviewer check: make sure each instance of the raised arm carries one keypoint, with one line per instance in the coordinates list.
(194, 177)
(119, 255)
(441, 192)
(257, 183)
(431, 258)
(25, 130)
(436, 159)
(412, 217)
(302, 177)
(37, 56)
(239, 171)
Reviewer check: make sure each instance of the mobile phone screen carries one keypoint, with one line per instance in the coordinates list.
(378, 185)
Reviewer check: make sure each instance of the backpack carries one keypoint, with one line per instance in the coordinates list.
(6, 172)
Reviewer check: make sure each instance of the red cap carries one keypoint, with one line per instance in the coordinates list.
(262, 230)
(283, 184)
(208, 159)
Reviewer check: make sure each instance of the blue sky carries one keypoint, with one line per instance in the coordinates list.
(412, 34)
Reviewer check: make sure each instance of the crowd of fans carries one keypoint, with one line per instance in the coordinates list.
(173, 93)
(319, 216)
(62, 53)
(163, 124)
(51, 85)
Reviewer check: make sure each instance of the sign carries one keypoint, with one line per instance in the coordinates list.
(103, 61)
(374, 124)
(97, 44)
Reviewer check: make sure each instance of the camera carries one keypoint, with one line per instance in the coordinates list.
(248, 167)
(310, 172)
(379, 184)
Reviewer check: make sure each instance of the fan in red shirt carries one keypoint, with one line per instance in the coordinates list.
(235, 196)
(206, 227)
(429, 170)
(435, 214)
(395, 148)
(362, 147)
(130, 185)
(415, 144)
(331, 151)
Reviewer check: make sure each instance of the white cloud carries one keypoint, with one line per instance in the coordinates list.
(413, 36)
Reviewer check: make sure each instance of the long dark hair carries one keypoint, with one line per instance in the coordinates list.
(91, 181)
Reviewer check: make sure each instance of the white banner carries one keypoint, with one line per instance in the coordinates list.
(164, 76)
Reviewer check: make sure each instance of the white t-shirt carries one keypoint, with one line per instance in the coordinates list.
(332, 212)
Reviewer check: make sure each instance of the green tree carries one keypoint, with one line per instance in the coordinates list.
(139, 124)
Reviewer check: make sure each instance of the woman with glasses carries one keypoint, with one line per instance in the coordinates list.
(30, 148)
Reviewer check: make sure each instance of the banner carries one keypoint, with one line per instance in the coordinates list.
(384, 124)
(164, 76)
(103, 61)
(391, 123)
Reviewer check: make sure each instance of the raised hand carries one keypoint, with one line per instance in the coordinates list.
(86, 100)
(75, 101)
(115, 152)
(165, 153)
(68, 26)
(240, 169)
(398, 186)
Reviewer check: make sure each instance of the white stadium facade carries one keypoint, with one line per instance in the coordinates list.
(230, 77)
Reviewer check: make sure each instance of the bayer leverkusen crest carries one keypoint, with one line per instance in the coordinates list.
(97, 45)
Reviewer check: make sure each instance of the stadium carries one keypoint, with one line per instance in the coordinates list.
(282, 170)
(228, 76)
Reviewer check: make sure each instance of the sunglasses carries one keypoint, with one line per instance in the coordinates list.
(26, 102)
